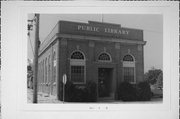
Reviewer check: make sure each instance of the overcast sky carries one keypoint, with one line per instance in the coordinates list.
(152, 25)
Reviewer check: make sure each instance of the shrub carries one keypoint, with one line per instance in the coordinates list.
(69, 91)
(79, 93)
(86, 93)
(127, 92)
(92, 91)
(144, 91)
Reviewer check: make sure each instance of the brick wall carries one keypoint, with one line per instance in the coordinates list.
(47, 86)
(91, 50)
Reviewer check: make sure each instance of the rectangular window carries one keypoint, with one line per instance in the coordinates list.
(129, 74)
(77, 74)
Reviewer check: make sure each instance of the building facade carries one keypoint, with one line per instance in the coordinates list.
(104, 53)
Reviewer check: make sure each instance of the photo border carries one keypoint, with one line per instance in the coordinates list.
(170, 13)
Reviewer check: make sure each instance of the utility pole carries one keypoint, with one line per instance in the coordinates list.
(36, 44)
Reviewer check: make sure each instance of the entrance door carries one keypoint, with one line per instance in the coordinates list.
(104, 81)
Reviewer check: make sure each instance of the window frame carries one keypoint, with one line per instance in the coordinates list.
(49, 69)
(54, 75)
(78, 62)
(46, 71)
(129, 64)
(43, 73)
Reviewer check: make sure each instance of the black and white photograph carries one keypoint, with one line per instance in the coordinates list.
(75, 60)
(110, 58)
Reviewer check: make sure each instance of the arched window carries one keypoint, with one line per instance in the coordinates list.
(41, 75)
(129, 68)
(128, 58)
(104, 57)
(46, 71)
(43, 79)
(54, 67)
(77, 55)
(49, 66)
(77, 64)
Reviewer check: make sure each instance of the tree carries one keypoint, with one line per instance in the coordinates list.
(29, 68)
(154, 76)
(160, 80)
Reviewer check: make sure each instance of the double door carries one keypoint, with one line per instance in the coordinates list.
(104, 81)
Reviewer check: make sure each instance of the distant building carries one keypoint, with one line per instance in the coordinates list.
(104, 53)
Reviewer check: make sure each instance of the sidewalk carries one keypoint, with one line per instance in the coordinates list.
(42, 98)
(45, 98)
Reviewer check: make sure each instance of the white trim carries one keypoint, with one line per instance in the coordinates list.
(128, 64)
(77, 63)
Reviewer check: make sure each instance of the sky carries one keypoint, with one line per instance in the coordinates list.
(151, 24)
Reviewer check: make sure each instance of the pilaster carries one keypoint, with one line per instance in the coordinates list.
(118, 67)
